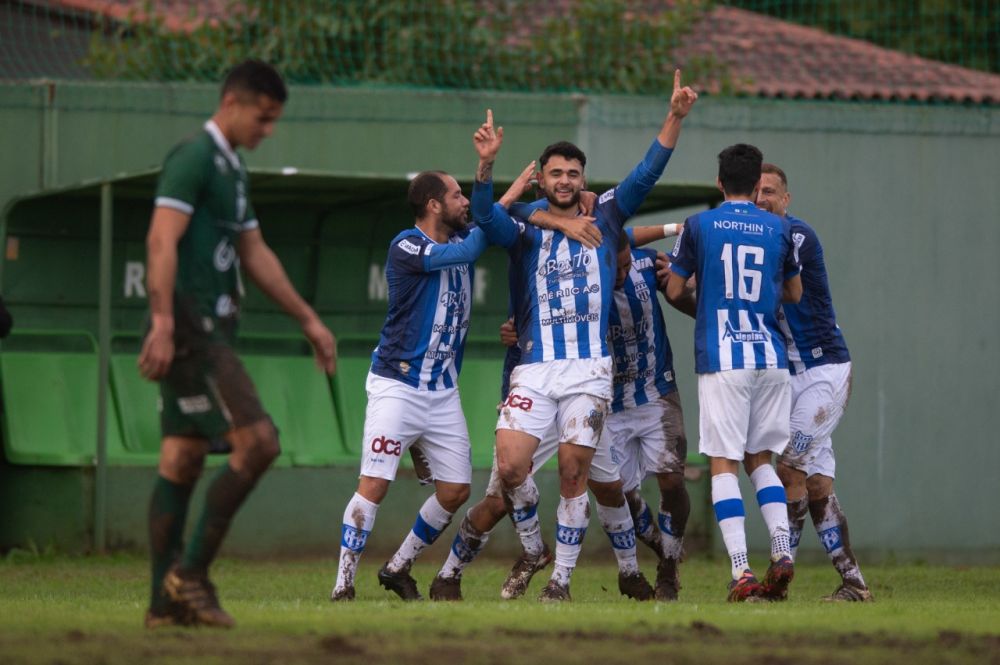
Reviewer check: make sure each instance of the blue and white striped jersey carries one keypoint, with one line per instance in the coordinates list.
(810, 326)
(643, 361)
(741, 256)
(561, 290)
(430, 300)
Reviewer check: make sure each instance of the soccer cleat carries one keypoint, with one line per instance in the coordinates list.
(745, 589)
(520, 575)
(173, 615)
(667, 580)
(635, 586)
(196, 598)
(345, 594)
(401, 583)
(554, 593)
(779, 575)
(850, 593)
(446, 588)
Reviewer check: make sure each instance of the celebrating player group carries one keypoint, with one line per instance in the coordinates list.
(588, 376)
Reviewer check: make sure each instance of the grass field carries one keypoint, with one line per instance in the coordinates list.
(89, 610)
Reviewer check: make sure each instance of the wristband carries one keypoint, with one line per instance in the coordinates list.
(670, 230)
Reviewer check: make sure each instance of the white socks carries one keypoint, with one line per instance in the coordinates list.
(572, 517)
(617, 523)
(524, 513)
(730, 515)
(771, 498)
(359, 516)
(431, 521)
(468, 543)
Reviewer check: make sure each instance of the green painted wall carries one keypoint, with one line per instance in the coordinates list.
(904, 198)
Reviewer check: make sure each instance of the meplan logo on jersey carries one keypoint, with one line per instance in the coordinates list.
(744, 336)
(383, 444)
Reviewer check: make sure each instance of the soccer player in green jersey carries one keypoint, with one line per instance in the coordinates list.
(203, 229)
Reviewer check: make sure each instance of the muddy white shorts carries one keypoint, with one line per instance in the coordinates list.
(743, 411)
(819, 397)
(603, 468)
(648, 439)
(399, 416)
(574, 394)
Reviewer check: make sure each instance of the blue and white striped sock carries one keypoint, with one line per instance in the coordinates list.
(729, 513)
(771, 499)
(468, 543)
(431, 521)
(524, 503)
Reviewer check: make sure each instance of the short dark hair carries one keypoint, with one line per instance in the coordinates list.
(739, 168)
(426, 187)
(774, 170)
(258, 78)
(563, 149)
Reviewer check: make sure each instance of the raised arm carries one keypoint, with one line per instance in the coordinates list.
(492, 219)
(267, 273)
(633, 190)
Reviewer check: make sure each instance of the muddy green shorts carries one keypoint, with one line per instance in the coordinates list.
(207, 391)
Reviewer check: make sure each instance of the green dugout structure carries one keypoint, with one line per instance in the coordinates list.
(80, 428)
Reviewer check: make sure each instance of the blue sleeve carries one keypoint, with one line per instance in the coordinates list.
(632, 191)
(493, 219)
(525, 210)
(441, 256)
(684, 258)
(631, 237)
(792, 266)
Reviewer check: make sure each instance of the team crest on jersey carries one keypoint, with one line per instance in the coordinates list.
(744, 336)
(800, 442)
(224, 255)
(642, 291)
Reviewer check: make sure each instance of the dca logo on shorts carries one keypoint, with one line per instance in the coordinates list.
(518, 402)
(384, 444)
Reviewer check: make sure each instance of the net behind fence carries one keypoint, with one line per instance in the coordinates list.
(592, 46)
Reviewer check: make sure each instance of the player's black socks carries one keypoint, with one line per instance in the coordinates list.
(167, 513)
(225, 495)
(677, 503)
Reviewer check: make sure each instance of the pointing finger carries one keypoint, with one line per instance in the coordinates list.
(677, 79)
(489, 117)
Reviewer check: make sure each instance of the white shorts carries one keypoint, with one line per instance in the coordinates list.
(399, 416)
(648, 439)
(574, 394)
(743, 411)
(819, 397)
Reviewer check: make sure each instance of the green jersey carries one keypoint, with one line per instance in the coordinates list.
(205, 178)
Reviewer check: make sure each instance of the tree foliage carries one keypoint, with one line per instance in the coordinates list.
(586, 45)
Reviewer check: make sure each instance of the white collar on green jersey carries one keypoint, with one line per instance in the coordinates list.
(220, 140)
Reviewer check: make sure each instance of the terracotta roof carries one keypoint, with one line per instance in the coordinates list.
(766, 56)
(773, 58)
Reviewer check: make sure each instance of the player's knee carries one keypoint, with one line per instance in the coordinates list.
(671, 482)
(181, 464)
(453, 496)
(790, 476)
(819, 486)
(511, 475)
(608, 494)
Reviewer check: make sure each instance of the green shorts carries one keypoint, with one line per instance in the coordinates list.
(207, 391)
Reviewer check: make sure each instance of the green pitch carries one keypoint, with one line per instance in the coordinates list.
(66, 610)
